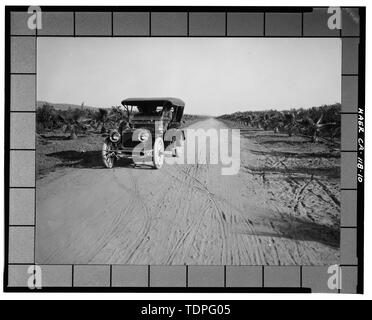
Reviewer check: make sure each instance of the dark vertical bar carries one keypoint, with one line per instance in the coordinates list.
(187, 276)
(224, 276)
(300, 276)
(150, 24)
(112, 24)
(188, 24)
(225, 24)
(72, 278)
(148, 276)
(110, 275)
(263, 276)
(361, 135)
(74, 24)
(37, 23)
(35, 171)
(264, 24)
(6, 145)
(302, 24)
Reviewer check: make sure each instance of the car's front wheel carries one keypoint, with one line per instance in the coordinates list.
(158, 153)
(108, 156)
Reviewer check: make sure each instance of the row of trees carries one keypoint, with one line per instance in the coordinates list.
(316, 122)
(75, 120)
(323, 121)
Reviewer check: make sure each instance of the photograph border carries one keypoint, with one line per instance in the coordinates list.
(20, 171)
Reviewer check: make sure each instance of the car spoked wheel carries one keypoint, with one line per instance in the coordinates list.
(108, 155)
(158, 153)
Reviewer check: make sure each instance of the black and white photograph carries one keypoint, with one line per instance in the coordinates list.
(167, 150)
(188, 151)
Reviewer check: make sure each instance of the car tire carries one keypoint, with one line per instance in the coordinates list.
(158, 153)
(108, 161)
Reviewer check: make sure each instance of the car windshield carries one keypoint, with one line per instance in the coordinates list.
(153, 110)
(138, 111)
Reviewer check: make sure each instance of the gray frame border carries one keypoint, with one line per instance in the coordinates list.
(219, 26)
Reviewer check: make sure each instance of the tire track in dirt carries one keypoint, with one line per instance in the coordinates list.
(305, 251)
(225, 220)
(182, 214)
(145, 228)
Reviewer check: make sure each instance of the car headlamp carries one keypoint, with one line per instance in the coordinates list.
(143, 136)
(115, 136)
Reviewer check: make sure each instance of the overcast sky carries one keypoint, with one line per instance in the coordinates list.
(212, 75)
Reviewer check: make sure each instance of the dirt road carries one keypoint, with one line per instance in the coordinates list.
(282, 208)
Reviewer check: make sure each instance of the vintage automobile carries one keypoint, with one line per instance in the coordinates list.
(151, 132)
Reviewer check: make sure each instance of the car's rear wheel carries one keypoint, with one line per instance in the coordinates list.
(108, 156)
(158, 153)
